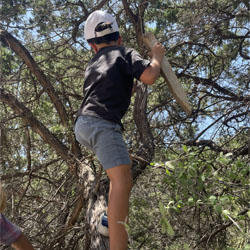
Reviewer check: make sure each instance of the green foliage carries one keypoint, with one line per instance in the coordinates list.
(195, 194)
(8, 62)
(13, 10)
(200, 187)
(166, 227)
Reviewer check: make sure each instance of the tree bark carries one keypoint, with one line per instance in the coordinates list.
(146, 149)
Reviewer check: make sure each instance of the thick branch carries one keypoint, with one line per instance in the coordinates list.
(24, 54)
(136, 19)
(129, 12)
(146, 150)
(35, 125)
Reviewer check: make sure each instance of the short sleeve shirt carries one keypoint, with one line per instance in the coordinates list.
(109, 81)
(9, 232)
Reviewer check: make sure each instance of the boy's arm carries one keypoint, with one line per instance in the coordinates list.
(151, 73)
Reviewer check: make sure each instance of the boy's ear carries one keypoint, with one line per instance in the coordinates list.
(119, 40)
(94, 47)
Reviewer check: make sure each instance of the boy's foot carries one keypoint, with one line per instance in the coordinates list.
(103, 227)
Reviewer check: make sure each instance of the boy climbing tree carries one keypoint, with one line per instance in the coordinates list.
(108, 87)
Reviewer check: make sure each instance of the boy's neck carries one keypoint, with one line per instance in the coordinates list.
(103, 45)
(97, 47)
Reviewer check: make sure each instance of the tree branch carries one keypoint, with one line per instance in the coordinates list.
(210, 82)
(208, 143)
(24, 54)
(35, 125)
(241, 49)
(136, 19)
(146, 151)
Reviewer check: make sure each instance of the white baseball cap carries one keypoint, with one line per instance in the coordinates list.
(96, 18)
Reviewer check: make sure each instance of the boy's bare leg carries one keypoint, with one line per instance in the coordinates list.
(118, 207)
(22, 243)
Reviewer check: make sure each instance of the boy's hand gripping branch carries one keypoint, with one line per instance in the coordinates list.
(171, 79)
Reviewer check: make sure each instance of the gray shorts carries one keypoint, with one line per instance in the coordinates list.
(104, 138)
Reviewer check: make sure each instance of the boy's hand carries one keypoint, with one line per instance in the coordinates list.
(152, 72)
(158, 52)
